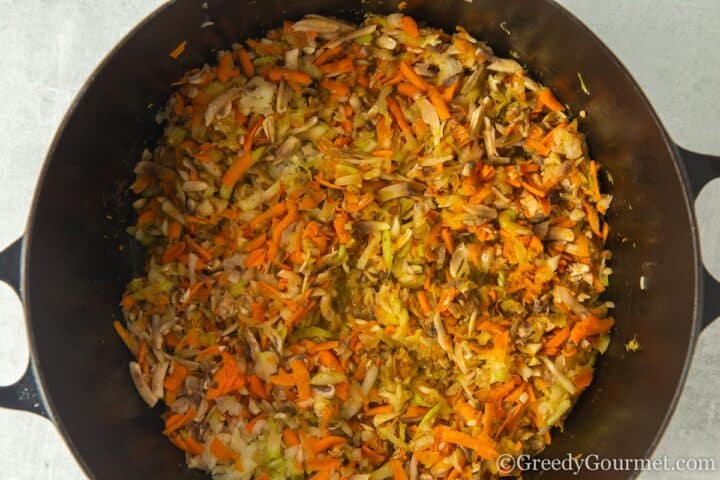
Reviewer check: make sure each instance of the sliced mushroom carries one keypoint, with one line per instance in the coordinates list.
(386, 42)
(281, 101)
(287, 148)
(505, 65)
(194, 186)
(397, 190)
(221, 106)
(159, 377)
(360, 32)
(560, 234)
(141, 385)
(319, 24)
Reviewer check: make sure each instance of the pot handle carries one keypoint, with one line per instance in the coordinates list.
(23, 394)
(701, 169)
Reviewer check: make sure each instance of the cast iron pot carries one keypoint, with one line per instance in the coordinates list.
(70, 273)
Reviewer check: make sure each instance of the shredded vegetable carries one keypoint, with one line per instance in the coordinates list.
(374, 252)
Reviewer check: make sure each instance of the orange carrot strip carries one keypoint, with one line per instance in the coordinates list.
(327, 443)
(384, 132)
(446, 298)
(174, 231)
(338, 88)
(327, 55)
(483, 445)
(302, 78)
(344, 65)
(222, 452)
(290, 438)
(424, 302)
(177, 51)
(302, 379)
(397, 468)
(590, 326)
(378, 410)
(128, 339)
(449, 92)
(173, 252)
(278, 230)
(538, 146)
(398, 114)
(225, 70)
(546, 98)
(247, 66)
(256, 258)
(283, 380)
(175, 380)
(374, 457)
(532, 189)
(439, 104)
(328, 359)
(197, 248)
(413, 77)
(257, 387)
(408, 90)
(179, 420)
(447, 240)
(242, 162)
(410, 27)
(275, 211)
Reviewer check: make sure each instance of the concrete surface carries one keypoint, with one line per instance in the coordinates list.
(50, 46)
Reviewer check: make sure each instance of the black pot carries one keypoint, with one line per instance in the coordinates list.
(70, 271)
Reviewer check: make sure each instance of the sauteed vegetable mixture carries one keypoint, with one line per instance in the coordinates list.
(373, 252)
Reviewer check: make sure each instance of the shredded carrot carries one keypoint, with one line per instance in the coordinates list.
(327, 443)
(179, 420)
(290, 438)
(448, 295)
(338, 88)
(176, 378)
(129, 340)
(278, 230)
(590, 326)
(242, 162)
(439, 104)
(483, 445)
(257, 387)
(541, 148)
(410, 27)
(398, 114)
(302, 78)
(327, 55)
(173, 252)
(384, 132)
(449, 92)
(302, 379)
(408, 90)
(378, 410)
(413, 77)
(397, 468)
(546, 98)
(222, 452)
(344, 65)
(177, 51)
(245, 62)
(328, 359)
(226, 69)
(424, 302)
(447, 239)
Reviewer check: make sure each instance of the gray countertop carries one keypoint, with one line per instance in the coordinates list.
(49, 47)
